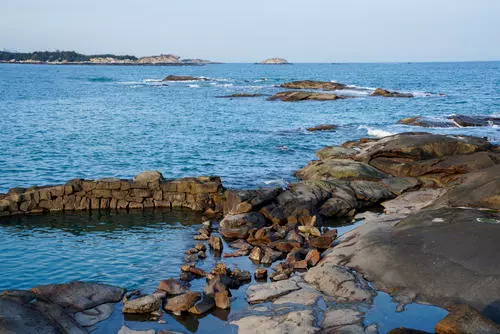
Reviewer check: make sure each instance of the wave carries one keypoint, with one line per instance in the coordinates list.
(379, 133)
(194, 86)
(152, 80)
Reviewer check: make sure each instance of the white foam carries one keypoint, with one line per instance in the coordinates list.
(194, 86)
(376, 132)
(152, 80)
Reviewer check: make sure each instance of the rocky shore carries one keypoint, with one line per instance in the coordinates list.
(433, 239)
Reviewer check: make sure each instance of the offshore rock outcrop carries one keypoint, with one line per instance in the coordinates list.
(454, 121)
(146, 190)
(274, 61)
(294, 96)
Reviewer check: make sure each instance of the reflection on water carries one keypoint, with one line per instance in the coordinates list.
(126, 249)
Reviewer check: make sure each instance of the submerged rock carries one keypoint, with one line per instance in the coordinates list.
(240, 95)
(293, 96)
(181, 303)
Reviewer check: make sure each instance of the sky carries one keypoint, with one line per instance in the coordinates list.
(250, 31)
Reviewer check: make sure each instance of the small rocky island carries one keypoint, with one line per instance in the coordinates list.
(274, 61)
(435, 242)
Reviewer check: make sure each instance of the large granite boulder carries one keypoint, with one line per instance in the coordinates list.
(310, 84)
(339, 169)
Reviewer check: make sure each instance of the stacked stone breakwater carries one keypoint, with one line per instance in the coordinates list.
(146, 190)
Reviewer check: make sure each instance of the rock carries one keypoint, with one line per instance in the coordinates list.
(421, 252)
(264, 236)
(200, 247)
(304, 297)
(222, 300)
(274, 213)
(144, 304)
(172, 287)
(202, 255)
(125, 330)
(79, 296)
(274, 61)
(257, 254)
(23, 296)
(335, 152)
(323, 242)
(58, 315)
(240, 244)
(275, 277)
(221, 269)
(203, 306)
(260, 273)
(22, 318)
(339, 169)
(310, 84)
(240, 95)
(402, 330)
(191, 258)
(270, 256)
(183, 78)
(181, 303)
(149, 176)
(313, 257)
(285, 245)
(427, 122)
(296, 322)
(480, 189)
(310, 230)
(465, 319)
(339, 282)
(94, 315)
(341, 317)
(293, 96)
(466, 121)
(244, 201)
(386, 93)
(238, 226)
(322, 127)
(263, 292)
(215, 243)
(242, 275)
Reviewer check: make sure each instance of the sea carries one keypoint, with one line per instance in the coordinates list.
(63, 122)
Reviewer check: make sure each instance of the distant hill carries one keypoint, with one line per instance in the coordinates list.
(72, 57)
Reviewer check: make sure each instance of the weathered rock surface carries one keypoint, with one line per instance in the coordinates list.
(339, 169)
(94, 315)
(274, 61)
(143, 304)
(294, 96)
(454, 121)
(268, 291)
(22, 318)
(299, 322)
(241, 95)
(181, 303)
(125, 330)
(172, 287)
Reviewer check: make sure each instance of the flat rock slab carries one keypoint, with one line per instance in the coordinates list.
(94, 315)
(445, 256)
(259, 293)
(79, 296)
(299, 322)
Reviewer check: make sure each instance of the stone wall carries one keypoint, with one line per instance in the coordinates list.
(146, 190)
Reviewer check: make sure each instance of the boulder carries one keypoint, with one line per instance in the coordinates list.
(23, 318)
(386, 93)
(238, 226)
(466, 121)
(215, 243)
(58, 315)
(222, 300)
(427, 122)
(94, 315)
(181, 303)
(465, 319)
(125, 330)
(232, 96)
(322, 127)
(203, 306)
(78, 296)
(143, 304)
(310, 84)
(274, 61)
(260, 273)
(294, 96)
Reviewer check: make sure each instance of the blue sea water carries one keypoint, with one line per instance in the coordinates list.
(64, 122)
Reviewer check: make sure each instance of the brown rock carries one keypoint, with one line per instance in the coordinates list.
(465, 319)
(260, 273)
(313, 257)
(293, 96)
(285, 245)
(257, 254)
(323, 242)
(310, 84)
(181, 303)
(222, 300)
(322, 127)
(215, 243)
(386, 93)
(203, 306)
(172, 287)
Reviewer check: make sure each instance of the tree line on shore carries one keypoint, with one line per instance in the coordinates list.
(55, 56)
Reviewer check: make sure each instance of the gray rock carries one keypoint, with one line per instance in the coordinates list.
(79, 296)
(143, 304)
(23, 318)
(94, 315)
(125, 330)
(58, 315)
(298, 322)
(259, 293)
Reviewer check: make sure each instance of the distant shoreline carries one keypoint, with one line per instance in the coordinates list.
(106, 64)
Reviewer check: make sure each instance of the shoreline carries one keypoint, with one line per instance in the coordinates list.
(346, 181)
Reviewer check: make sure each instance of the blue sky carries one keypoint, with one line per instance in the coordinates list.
(249, 31)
